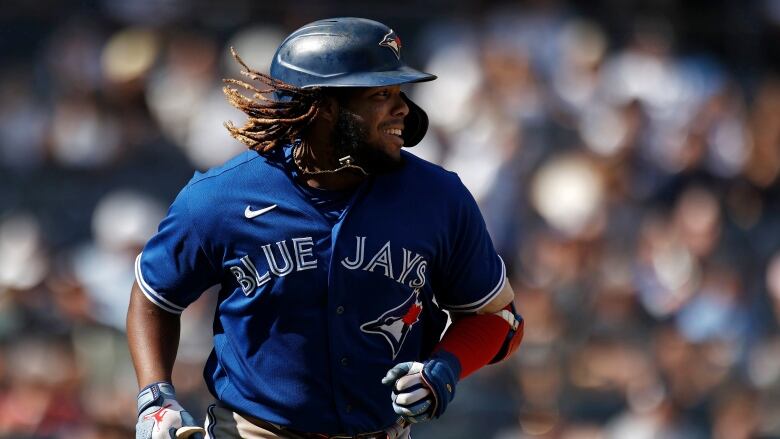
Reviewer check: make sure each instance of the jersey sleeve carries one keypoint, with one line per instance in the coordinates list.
(473, 273)
(173, 270)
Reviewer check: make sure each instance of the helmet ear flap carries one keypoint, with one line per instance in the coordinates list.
(415, 123)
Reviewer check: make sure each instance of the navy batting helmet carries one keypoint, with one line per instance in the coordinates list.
(350, 52)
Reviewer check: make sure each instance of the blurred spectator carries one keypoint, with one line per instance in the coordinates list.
(23, 121)
(122, 222)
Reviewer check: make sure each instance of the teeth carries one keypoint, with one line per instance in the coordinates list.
(394, 131)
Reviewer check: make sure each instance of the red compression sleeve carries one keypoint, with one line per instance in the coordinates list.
(474, 340)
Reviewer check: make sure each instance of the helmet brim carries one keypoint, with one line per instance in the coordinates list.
(398, 76)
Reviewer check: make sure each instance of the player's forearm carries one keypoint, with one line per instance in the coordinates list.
(476, 340)
(153, 337)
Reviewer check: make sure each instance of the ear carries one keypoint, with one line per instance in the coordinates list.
(330, 109)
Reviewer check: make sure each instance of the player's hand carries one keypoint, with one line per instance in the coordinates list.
(412, 398)
(160, 416)
(422, 391)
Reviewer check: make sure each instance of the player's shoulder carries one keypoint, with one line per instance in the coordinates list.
(209, 191)
(422, 168)
(429, 175)
(247, 170)
(231, 169)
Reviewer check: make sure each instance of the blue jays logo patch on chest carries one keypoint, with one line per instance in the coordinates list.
(395, 324)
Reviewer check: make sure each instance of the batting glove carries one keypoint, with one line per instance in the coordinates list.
(422, 391)
(161, 417)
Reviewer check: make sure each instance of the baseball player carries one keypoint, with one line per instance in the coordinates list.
(337, 255)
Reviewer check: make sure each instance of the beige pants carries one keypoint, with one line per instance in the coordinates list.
(223, 423)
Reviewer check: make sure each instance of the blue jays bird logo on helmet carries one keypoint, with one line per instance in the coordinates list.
(395, 325)
(392, 42)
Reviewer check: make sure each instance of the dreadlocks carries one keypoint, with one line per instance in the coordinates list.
(271, 121)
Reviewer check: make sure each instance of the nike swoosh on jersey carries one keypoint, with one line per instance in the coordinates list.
(249, 213)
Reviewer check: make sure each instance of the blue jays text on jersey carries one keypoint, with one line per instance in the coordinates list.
(301, 258)
(317, 303)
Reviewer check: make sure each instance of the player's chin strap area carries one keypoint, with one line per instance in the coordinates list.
(346, 161)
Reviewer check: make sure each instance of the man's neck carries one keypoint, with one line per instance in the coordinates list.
(318, 156)
(342, 180)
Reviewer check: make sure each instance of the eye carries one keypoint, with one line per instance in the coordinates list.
(382, 93)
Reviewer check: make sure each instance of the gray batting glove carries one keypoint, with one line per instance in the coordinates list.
(422, 391)
(412, 397)
(160, 416)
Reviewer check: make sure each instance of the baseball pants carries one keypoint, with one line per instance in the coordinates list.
(223, 423)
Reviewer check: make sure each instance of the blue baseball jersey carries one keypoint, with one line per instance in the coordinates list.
(318, 299)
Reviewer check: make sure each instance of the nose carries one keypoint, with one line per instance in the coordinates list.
(400, 109)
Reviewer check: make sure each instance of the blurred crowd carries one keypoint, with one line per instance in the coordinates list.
(632, 188)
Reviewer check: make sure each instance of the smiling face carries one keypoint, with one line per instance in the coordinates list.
(371, 122)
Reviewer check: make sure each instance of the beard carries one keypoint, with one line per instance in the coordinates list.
(350, 137)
